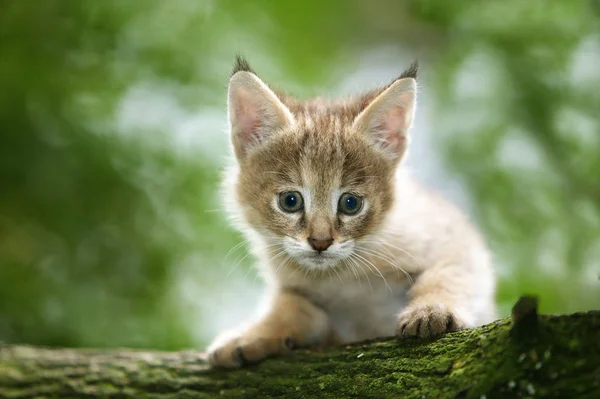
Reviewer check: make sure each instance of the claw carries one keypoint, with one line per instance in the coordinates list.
(238, 356)
(428, 321)
(289, 343)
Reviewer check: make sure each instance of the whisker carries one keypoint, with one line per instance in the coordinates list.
(379, 255)
(357, 265)
(238, 245)
(353, 270)
(338, 274)
(237, 264)
(244, 257)
(381, 242)
(355, 259)
(387, 259)
(306, 272)
(376, 269)
(283, 263)
(276, 255)
(392, 255)
(248, 271)
(384, 254)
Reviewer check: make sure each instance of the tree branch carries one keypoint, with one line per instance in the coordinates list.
(530, 355)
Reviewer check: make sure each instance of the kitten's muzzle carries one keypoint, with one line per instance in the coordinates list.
(320, 245)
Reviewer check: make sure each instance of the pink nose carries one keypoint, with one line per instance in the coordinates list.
(320, 245)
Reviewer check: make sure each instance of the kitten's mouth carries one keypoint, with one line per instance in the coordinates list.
(320, 255)
(318, 260)
(311, 258)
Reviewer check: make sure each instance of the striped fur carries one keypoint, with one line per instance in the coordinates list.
(408, 263)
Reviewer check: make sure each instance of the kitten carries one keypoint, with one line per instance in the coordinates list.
(351, 247)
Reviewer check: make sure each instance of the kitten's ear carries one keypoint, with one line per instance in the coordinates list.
(388, 118)
(255, 112)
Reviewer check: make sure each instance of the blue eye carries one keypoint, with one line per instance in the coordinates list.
(350, 204)
(291, 201)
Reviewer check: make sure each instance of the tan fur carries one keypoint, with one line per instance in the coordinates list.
(407, 263)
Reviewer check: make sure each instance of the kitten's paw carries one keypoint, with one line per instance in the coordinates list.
(426, 321)
(243, 351)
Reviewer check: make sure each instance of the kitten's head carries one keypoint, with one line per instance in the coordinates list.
(314, 177)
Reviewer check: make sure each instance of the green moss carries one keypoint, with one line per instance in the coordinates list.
(557, 359)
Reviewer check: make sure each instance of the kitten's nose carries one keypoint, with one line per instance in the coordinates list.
(320, 245)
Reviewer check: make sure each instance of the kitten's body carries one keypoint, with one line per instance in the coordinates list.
(407, 262)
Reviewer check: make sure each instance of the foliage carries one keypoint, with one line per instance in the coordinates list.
(112, 117)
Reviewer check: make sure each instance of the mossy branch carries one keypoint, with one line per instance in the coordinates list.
(524, 356)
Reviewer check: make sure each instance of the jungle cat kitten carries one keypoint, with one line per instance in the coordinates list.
(351, 247)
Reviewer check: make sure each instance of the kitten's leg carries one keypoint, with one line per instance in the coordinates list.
(446, 298)
(293, 321)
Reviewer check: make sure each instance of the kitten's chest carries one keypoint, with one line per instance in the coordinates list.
(361, 310)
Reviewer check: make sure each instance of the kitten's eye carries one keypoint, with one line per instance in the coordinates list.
(291, 201)
(350, 204)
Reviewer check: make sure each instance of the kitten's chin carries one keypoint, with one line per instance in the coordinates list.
(317, 262)
(305, 256)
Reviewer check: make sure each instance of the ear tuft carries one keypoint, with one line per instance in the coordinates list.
(411, 72)
(255, 112)
(241, 64)
(386, 121)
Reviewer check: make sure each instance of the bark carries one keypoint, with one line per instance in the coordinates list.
(523, 356)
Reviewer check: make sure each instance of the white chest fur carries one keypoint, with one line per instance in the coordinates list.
(360, 310)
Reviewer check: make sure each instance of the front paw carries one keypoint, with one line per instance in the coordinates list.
(426, 321)
(246, 350)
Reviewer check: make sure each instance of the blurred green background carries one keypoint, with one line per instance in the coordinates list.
(113, 135)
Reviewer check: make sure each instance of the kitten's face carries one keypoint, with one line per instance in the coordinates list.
(316, 191)
(316, 177)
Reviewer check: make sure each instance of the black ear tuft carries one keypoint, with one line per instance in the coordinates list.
(241, 65)
(411, 72)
